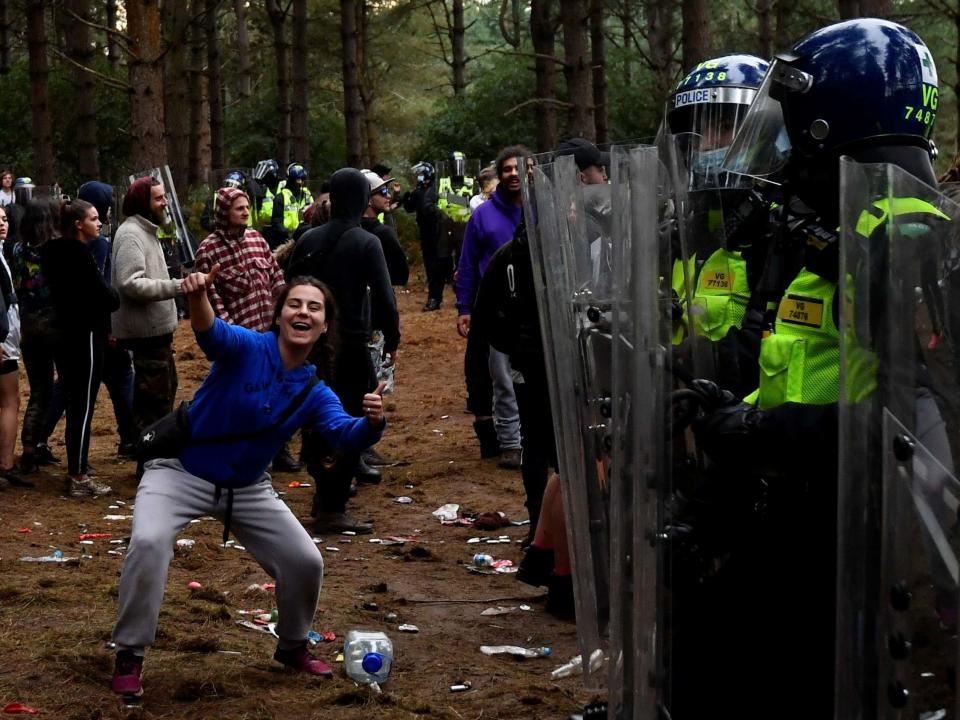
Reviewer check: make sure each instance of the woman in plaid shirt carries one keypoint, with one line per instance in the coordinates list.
(250, 279)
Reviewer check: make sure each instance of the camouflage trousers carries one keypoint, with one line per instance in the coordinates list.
(154, 382)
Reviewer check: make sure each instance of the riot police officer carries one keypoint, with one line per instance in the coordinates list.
(423, 200)
(292, 200)
(783, 437)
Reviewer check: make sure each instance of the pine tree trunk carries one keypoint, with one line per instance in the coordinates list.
(781, 33)
(626, 22)
(353, 108)
(765, 25)
(458, 50)
(177, 88)
(281, 50)
(875, 8)
(113, 50)
(146, 80)
(598, 70)
(371, 136)
(300, 109)
(245, 69)
(199, 147)
(543, 33)
(214, 94)
(848, 9)
(696, 40)
(39, 93)
(576, 68)
(81, 51)
(661, 24)
(4, 37)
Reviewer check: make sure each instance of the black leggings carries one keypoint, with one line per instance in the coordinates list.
(79, 358)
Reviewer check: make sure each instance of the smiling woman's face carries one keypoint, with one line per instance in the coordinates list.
(303, 318)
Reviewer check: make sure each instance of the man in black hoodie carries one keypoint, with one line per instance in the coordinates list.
(350, 261)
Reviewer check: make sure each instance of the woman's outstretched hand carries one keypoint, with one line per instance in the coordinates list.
(373, 406)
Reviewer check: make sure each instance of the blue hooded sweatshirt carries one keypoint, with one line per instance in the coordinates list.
(490, 226)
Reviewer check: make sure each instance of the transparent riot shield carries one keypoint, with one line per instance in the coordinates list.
(573, 283)
(899, 430)
(640, 461)
(181, 246)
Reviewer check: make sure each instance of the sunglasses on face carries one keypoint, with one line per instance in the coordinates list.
(385, 191)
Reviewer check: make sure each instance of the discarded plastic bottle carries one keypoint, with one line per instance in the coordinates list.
(367, 656)
(482, 560)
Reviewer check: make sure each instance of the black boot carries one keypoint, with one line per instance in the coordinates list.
(487, 435)
(367, 475)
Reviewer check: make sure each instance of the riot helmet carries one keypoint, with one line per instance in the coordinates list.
(235, 179)
(23, 189)
(458, 164)
(865, 88)
(705, 111)
(266, 171)
(424, 171)
(296, 171)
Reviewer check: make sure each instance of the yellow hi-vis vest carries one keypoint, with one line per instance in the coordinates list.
(720, 295)
(679, 287)
(455, 210)
(800, 360)
(293, 208)
(265, 216)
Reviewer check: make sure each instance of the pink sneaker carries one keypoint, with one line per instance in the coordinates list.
(300, 660)
(126, 674)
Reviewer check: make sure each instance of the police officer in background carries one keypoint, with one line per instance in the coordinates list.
(263, 191)
(454, 191)
(292, 200)
(782, 439)
(422, 200)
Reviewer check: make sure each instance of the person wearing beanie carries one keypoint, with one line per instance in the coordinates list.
(147, 317)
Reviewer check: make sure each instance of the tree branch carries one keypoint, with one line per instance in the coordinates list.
(113, 82)
(539, 101)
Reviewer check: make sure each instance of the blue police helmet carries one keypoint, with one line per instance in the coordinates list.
(863, 79)
(729, 80)
(266, 169)
(296, 171)
(234, 179)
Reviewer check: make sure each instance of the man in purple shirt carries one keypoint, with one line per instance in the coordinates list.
(490, 395)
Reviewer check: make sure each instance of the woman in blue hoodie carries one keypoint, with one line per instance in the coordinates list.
(255, 380)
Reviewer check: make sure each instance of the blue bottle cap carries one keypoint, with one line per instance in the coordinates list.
(372, 662)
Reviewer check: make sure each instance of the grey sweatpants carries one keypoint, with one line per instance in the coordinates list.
(168, 498)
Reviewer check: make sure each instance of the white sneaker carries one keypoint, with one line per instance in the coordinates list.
(85, 487)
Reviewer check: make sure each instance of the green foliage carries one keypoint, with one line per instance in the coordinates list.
(488, 117)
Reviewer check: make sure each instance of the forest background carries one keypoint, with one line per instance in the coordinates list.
(103, 88)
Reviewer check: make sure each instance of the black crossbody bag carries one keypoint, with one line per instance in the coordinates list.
(171, 434)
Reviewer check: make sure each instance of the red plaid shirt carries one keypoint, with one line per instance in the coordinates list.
(248, 282)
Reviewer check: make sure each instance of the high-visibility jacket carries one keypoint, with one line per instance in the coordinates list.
(293, 208)
(446, 199)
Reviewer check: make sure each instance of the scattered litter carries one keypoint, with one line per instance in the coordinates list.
(444, 417)
(375, 541)
(465, 522)
(114, 552)
(86, 542)
(51, 559)
(294, 484)
(491, 521)
(409, 486)
(498, 610)
(391, 617)
(16, 708)
(229, 652)
(265, 587)
(927, 675)
(934, 715)
(438, 432)
(332, 548)
(186, 542)
(37, 524)
(121, 503)
(348, 532)
(194, 585)
(24, 531)
(370, 606)
(461, 686)
(482, 560)
(502, 564)
(238, 547)
(270, 629)
(472, 541)
(339, 657)
(192, 522)
(95, 536)
(526, 608)
(506, 569)
(403, 500)
(569, 668)
(113, 518)
(408, 628)
(518, 523)
(113, 507)
(447, 512)
(117, 542)
(515, 650)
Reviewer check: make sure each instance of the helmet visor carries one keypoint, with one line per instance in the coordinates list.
(761, 147)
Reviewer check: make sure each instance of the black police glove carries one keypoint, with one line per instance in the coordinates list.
(732, 432)
(712, 396)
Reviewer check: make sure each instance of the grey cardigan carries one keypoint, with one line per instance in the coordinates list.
(140, 276)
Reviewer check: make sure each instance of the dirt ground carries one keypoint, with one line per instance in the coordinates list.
(55, 620)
